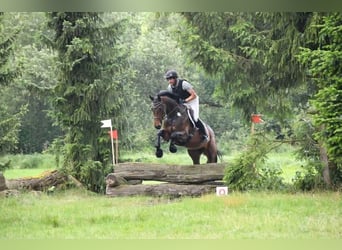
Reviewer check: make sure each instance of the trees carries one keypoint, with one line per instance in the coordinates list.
(252, 54)
(271, 63)
(323, 63)
(261, 68)
(10, 121)
(34, 84)
(88, 89)
(152, 51)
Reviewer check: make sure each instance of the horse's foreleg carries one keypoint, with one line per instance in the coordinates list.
(172, 148)
(159, 151)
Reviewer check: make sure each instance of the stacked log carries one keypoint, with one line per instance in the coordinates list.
(177, 180)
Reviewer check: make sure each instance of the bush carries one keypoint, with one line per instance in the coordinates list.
(248, 170)
(5, 165)
(308, 179)
(93, 175)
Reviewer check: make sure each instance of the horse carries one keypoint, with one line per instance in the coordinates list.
(175, 124)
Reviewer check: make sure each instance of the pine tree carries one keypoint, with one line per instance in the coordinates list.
(251, 54)
(9, 123)
(90, 66)
(323, 62)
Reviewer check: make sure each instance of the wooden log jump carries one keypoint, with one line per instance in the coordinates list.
(186, 180)
(39, 183)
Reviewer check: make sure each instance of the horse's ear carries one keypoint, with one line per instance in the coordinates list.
(151, 98)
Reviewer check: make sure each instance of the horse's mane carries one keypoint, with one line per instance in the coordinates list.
(169, 94)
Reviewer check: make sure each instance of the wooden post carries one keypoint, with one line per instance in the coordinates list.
(117, 150)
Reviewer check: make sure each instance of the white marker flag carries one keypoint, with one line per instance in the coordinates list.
(106, 123)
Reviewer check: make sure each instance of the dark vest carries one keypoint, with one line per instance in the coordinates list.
(183, 94)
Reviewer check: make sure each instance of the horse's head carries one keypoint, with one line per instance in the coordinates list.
(164, 104)
(158, 111)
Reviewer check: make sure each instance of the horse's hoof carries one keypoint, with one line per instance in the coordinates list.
(159, 153)
(173, 148)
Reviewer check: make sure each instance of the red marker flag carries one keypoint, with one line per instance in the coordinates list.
(256, 118)
(113, 134)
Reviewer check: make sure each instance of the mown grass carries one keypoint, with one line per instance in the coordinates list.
(77, 214)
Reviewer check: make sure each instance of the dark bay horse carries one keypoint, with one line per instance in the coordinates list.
(173, 120)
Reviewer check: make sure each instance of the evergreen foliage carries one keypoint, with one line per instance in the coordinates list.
(255, 56)
(10, 121)
(86, 67)
(88, 78)
(248, 170)
(252, 54)
(323, 62)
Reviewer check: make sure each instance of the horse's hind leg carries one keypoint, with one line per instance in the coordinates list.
(211, 153)
(211, 150)
(195, 155)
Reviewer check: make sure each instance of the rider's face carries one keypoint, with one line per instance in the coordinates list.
(172, 80)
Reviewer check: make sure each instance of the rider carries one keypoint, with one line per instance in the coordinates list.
(186, 92)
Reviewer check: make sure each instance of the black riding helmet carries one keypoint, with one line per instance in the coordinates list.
(171, 73)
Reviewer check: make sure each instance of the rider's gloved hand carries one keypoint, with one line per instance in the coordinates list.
(182, 101)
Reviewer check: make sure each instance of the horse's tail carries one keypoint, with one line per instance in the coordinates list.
(220, 155)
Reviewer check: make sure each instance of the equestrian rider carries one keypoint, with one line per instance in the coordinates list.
(186, 92)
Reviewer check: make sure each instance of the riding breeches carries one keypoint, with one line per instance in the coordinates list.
(194, 105)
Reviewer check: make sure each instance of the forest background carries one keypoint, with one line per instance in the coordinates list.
(62, 73)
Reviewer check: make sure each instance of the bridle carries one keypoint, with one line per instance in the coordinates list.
(158, 106)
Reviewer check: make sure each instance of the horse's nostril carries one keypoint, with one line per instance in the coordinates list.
(157, 126)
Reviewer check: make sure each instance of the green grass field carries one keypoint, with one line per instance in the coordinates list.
(78, 214)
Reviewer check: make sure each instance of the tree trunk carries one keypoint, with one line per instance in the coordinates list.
(189, 174)
(165, 189)
(325, 161)
(41, 183)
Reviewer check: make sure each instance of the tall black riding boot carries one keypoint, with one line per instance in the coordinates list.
(200, 126)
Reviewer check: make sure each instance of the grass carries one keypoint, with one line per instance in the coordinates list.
(77, 214)
(285, 161)
(28, 165)
(33, 165)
